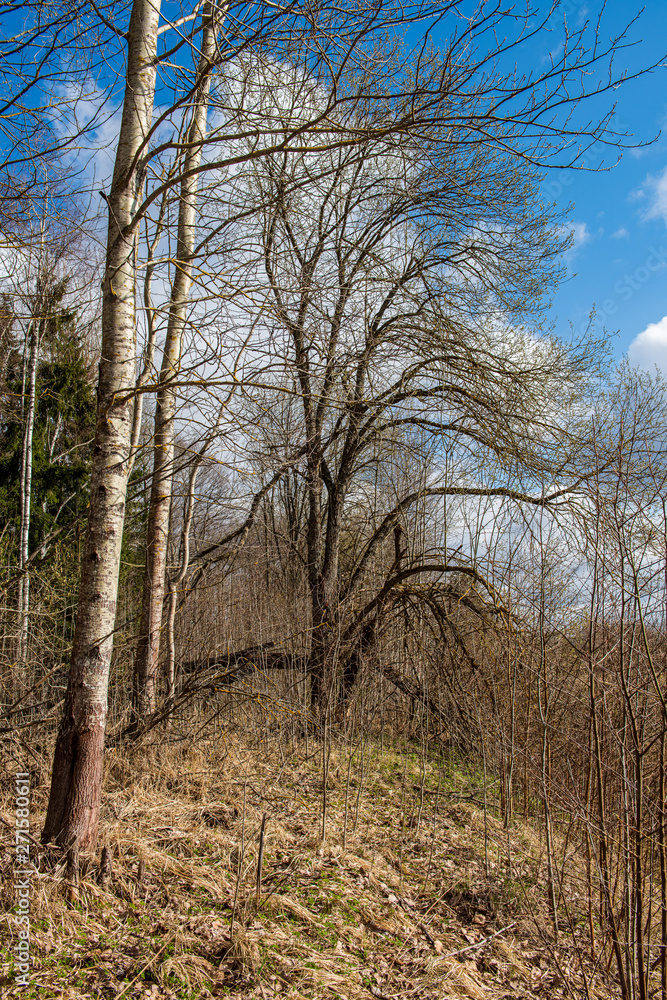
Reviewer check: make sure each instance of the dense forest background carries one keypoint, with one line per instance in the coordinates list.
(364, 492)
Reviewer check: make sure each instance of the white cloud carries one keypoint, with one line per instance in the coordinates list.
(581, 234)
(656, 188)
(580, 237)
(620, 234)
(553, 57)
(649, 348)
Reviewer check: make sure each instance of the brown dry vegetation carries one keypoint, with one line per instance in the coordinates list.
(415, 890)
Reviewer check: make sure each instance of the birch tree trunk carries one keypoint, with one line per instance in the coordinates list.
(74, 802)
(157, 532)
(23, 604)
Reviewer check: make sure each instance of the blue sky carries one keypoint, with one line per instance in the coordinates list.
(619, 260)
(618, 264)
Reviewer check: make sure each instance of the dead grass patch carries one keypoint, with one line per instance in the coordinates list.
(402, 899)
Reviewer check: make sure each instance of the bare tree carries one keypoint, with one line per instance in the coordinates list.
(414, 98)
(387, 337)
(74, 803)
(157, 535)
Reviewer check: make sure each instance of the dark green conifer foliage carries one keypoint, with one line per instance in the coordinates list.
(64, 421)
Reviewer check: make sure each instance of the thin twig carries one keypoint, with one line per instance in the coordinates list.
(479, 944)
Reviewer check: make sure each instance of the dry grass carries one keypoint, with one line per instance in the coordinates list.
(404, 898)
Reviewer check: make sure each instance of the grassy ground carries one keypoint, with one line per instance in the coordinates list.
(411, 890)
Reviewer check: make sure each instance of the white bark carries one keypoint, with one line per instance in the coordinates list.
(177, 579)
(157, 535)
(23, 603)
(74, 803)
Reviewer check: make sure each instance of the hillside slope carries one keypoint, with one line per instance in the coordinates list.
(412, 891)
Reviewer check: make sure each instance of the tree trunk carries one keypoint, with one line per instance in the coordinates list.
(157, 532)
(177, 580)
(74, 802)
(320, 613)
(23, 603)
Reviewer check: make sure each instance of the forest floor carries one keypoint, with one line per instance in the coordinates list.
(412, 889)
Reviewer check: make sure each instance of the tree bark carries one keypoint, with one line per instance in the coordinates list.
(23, 604)
(74, 802)
(157, 532)
(178, 578)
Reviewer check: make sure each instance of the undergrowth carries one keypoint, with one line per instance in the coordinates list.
(411, 887)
